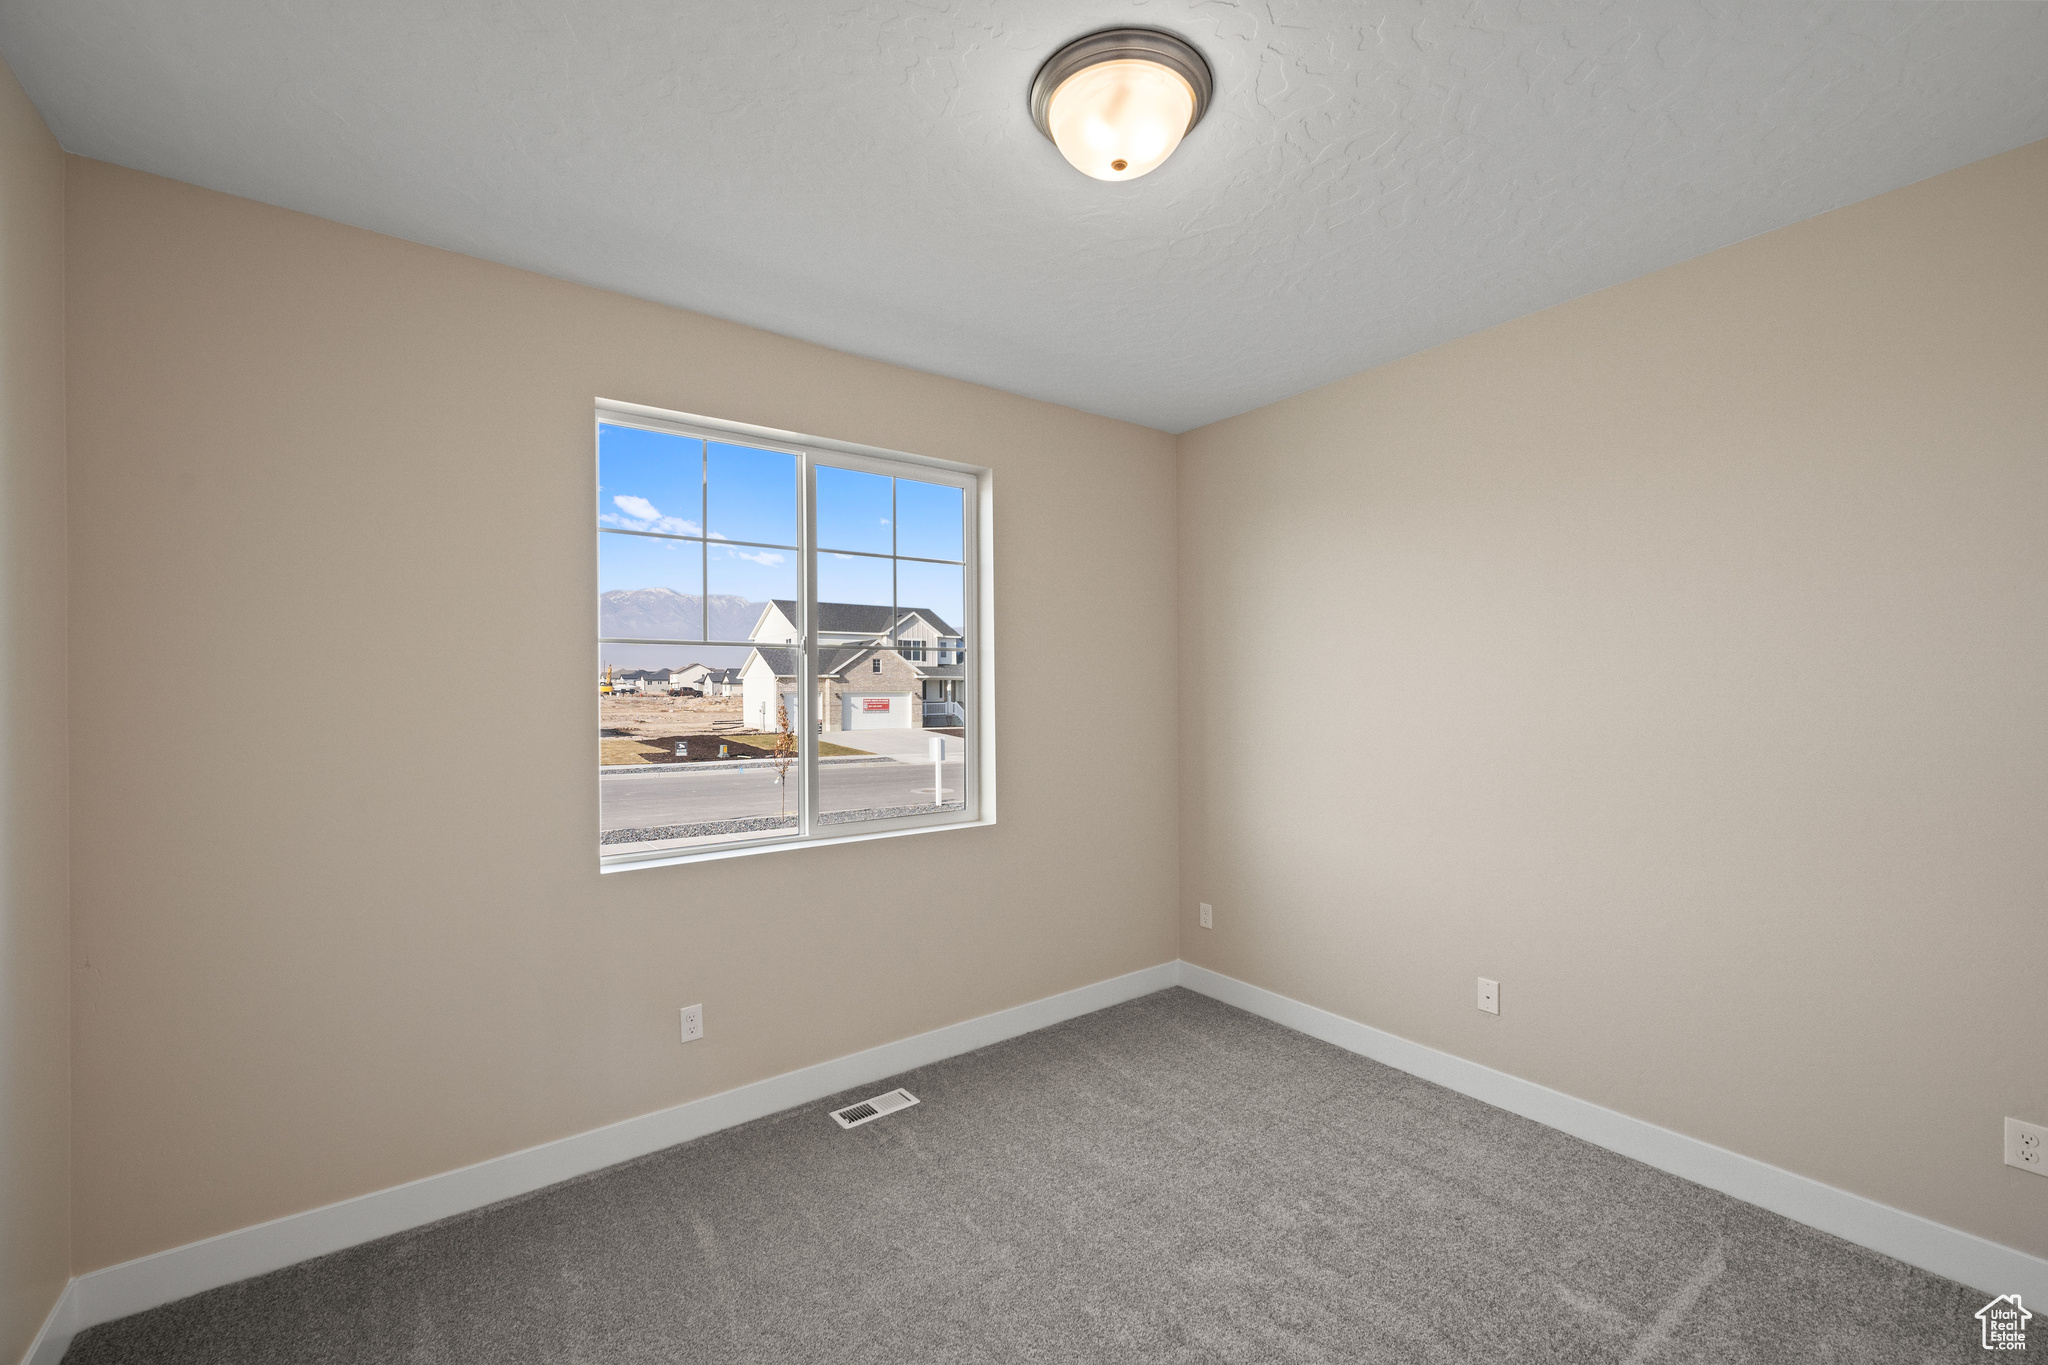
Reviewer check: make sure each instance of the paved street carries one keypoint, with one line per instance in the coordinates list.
(686, 796)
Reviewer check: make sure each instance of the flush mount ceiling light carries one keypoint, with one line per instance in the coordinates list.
(1117, 103)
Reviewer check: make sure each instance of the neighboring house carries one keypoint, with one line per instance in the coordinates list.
(662, 679)
(691, 675)
(720, 682)
(864, 682)
(643, 680)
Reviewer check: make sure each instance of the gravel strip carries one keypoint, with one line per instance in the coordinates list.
(731, 765)
(760, 824)
(848, 817)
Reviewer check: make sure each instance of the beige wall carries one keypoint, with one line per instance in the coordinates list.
(1687, 647)
(1690, 656)
(339, 926)
(35, 1103)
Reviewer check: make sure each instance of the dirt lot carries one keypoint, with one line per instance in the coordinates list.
(646, 728)
(641, 715)
(643, 727)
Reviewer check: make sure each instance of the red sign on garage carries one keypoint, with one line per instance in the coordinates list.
(874, 703)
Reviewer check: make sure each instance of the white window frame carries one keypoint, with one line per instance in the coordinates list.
(978, 766)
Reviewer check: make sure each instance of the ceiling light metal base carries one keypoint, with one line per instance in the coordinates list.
(1116, 45)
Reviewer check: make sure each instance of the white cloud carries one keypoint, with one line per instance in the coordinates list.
(765, 557)
(641, 515)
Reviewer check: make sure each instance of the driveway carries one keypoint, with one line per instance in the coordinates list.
(906, 744)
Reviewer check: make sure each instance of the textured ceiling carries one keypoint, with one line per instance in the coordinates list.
(1374, 178)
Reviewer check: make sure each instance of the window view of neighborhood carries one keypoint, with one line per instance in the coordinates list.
(701, 658)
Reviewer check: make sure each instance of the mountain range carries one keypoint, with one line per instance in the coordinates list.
(666, 613)
(678, 616)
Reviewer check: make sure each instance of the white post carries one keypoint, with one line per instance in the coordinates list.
(937, 746)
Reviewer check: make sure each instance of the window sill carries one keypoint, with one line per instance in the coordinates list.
(711, 854)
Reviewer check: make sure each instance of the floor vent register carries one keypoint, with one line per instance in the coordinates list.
(867, 1111)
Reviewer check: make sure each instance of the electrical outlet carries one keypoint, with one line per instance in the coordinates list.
(2026, 1146)
(693, 1023)
(1208, 917)
(1489, 996)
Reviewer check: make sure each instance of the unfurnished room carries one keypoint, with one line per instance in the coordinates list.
(1220, 682)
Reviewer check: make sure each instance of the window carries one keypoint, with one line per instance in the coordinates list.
(777, 563)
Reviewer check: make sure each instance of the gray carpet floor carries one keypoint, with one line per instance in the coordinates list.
(1168, 1180)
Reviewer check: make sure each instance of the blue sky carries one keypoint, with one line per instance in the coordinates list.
(857, 578)
(937, 586)
(650, 481)
(655, 481)
(658, 481)
(741, 570)
(928, 519)
(855, 513)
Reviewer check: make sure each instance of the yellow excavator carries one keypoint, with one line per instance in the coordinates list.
(604, 689)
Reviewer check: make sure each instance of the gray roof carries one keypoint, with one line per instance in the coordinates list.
(837, 659)
(856, 618)
(643, 674)
(783, 659)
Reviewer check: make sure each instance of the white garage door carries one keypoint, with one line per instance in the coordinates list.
(875, 711)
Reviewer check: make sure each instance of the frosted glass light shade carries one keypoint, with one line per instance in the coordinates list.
(1117, 120)
(1116, 103)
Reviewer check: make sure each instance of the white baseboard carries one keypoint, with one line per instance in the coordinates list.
(58, 1328)
(130, 1287)
(119, 1290)
(1960, 1256)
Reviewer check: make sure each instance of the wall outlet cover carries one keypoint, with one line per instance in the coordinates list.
(693, 1023)
(2026, 1146)
(1489, 996)
(1208, 916)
